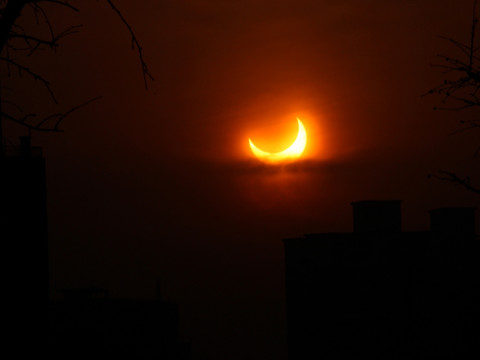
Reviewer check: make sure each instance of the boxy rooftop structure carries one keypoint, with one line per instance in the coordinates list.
(383, 293)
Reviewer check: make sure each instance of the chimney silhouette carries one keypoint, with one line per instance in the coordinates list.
(380, 216)
(25, 147)
(453, 221)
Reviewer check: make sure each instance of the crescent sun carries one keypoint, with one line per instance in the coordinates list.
(293, 152)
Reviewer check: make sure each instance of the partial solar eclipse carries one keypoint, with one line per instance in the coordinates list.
(291, 153)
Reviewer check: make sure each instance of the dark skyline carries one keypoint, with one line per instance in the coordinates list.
(382, 292)
(161, 184)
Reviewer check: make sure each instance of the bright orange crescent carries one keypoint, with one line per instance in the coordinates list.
(291, 153)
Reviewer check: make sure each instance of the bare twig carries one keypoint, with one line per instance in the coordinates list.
(472, 34)
(135, 44)
(32, 122)
(461, 93)
(33, 74)
(62, 3)
(453, 178)
(15, 39)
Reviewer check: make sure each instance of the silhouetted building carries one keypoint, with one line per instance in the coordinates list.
(381, 293)
(23, 231)
(87, 324)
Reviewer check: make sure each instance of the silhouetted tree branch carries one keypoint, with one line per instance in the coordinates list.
(135, 44)
(452, 177)
(47, 123)
(461, 91)
(23, 69)
(16, 42)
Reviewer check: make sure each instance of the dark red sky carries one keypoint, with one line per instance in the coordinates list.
(161, 183)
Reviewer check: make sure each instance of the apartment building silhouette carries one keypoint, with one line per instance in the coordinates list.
(382, 293)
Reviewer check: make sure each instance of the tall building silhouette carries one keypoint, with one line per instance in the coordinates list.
(23, 231)
(382, 293)
(86, 323)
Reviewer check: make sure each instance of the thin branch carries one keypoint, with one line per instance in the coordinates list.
(61, 116)
(23, 121)
(62, 3)
(453, 178)
(135, 44)
(34, 42)
(460, 93)
(17, 39)
(29, 121)
(33, 74)
(11, 103)
(466, 128)
(472, 34)
(464, 48)
(52, 43)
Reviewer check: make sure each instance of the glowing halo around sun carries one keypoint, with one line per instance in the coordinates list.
(293, 152)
